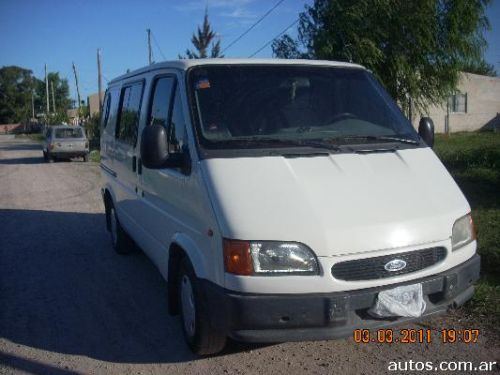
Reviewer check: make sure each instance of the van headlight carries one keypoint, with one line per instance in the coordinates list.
(269, 258)
(463, 232)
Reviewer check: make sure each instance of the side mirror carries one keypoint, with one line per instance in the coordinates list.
(426, 130)
(154, 146)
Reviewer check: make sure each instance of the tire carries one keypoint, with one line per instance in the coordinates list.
(201, 337)
(121, 241)
(86, 158)
(50, 158)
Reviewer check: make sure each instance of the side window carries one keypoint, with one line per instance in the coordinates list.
(105, 110)
(177, 130)
(160, 105)
(165, 114)
(130, 106)
(109, 126)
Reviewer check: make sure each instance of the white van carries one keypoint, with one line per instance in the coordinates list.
(282, 200)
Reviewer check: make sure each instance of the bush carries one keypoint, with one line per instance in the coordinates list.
(93, 130)
(474, 161)
(469, 150)
(95, 156)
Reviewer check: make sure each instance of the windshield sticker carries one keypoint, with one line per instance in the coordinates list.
(203, 84)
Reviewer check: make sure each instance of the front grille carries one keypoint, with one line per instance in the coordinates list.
(373, 268)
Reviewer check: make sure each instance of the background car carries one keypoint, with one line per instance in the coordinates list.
(65, 142)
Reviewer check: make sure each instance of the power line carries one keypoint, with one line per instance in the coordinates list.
(158, 46)
(276, 37)
(251, 27)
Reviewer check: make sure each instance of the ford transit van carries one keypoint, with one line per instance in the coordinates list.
(282, 200)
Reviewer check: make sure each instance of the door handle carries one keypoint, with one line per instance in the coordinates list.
(134, 163)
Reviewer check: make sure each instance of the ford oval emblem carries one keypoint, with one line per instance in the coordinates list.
(395, 265)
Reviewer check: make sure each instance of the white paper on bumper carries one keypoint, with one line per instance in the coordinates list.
(406, 301)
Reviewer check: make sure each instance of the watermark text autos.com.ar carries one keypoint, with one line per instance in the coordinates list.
(469, 366)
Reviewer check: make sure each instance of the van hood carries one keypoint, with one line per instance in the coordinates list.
(337, 204)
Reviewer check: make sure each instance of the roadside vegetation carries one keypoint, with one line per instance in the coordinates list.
(37, 137)
(95, 156)
(474, 161)
(23, 96)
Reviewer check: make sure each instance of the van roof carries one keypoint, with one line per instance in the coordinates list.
(185, 64)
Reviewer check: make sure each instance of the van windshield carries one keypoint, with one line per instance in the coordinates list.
(249, 106)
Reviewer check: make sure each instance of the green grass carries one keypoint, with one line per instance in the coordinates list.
(95, 156)
(474, 161)
(37, 137)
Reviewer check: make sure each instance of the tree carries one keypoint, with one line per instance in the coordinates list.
(415, 48)
(61, 96)
(479, 67)
(16, 87)
(288, 48)
(202, 40)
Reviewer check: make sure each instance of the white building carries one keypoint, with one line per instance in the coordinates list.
(476, 106)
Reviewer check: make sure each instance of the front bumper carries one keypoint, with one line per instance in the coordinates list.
(302, 317)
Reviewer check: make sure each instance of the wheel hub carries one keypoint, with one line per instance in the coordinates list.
(188, 306)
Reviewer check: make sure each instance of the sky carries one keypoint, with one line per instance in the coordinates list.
(60, 32)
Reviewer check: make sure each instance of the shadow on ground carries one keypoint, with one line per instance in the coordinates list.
(21, 146)
(64, 290)
(31, 366)
(26, 160)
(6, 147)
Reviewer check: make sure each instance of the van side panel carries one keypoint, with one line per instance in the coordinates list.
(173, 207)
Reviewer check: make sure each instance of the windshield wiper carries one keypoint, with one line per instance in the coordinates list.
(400, 139)
(293, 143)
(384, 138)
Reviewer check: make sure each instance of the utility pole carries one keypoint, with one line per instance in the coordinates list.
(99, 78)
(150, 54)
(47, 90)
(53, 97)
(77, 90)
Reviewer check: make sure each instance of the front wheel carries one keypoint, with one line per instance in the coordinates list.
(86, 158)
(201, 337)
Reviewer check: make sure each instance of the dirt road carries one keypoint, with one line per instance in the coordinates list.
(69, 304)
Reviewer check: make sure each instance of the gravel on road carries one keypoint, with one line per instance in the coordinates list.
(69, 304)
